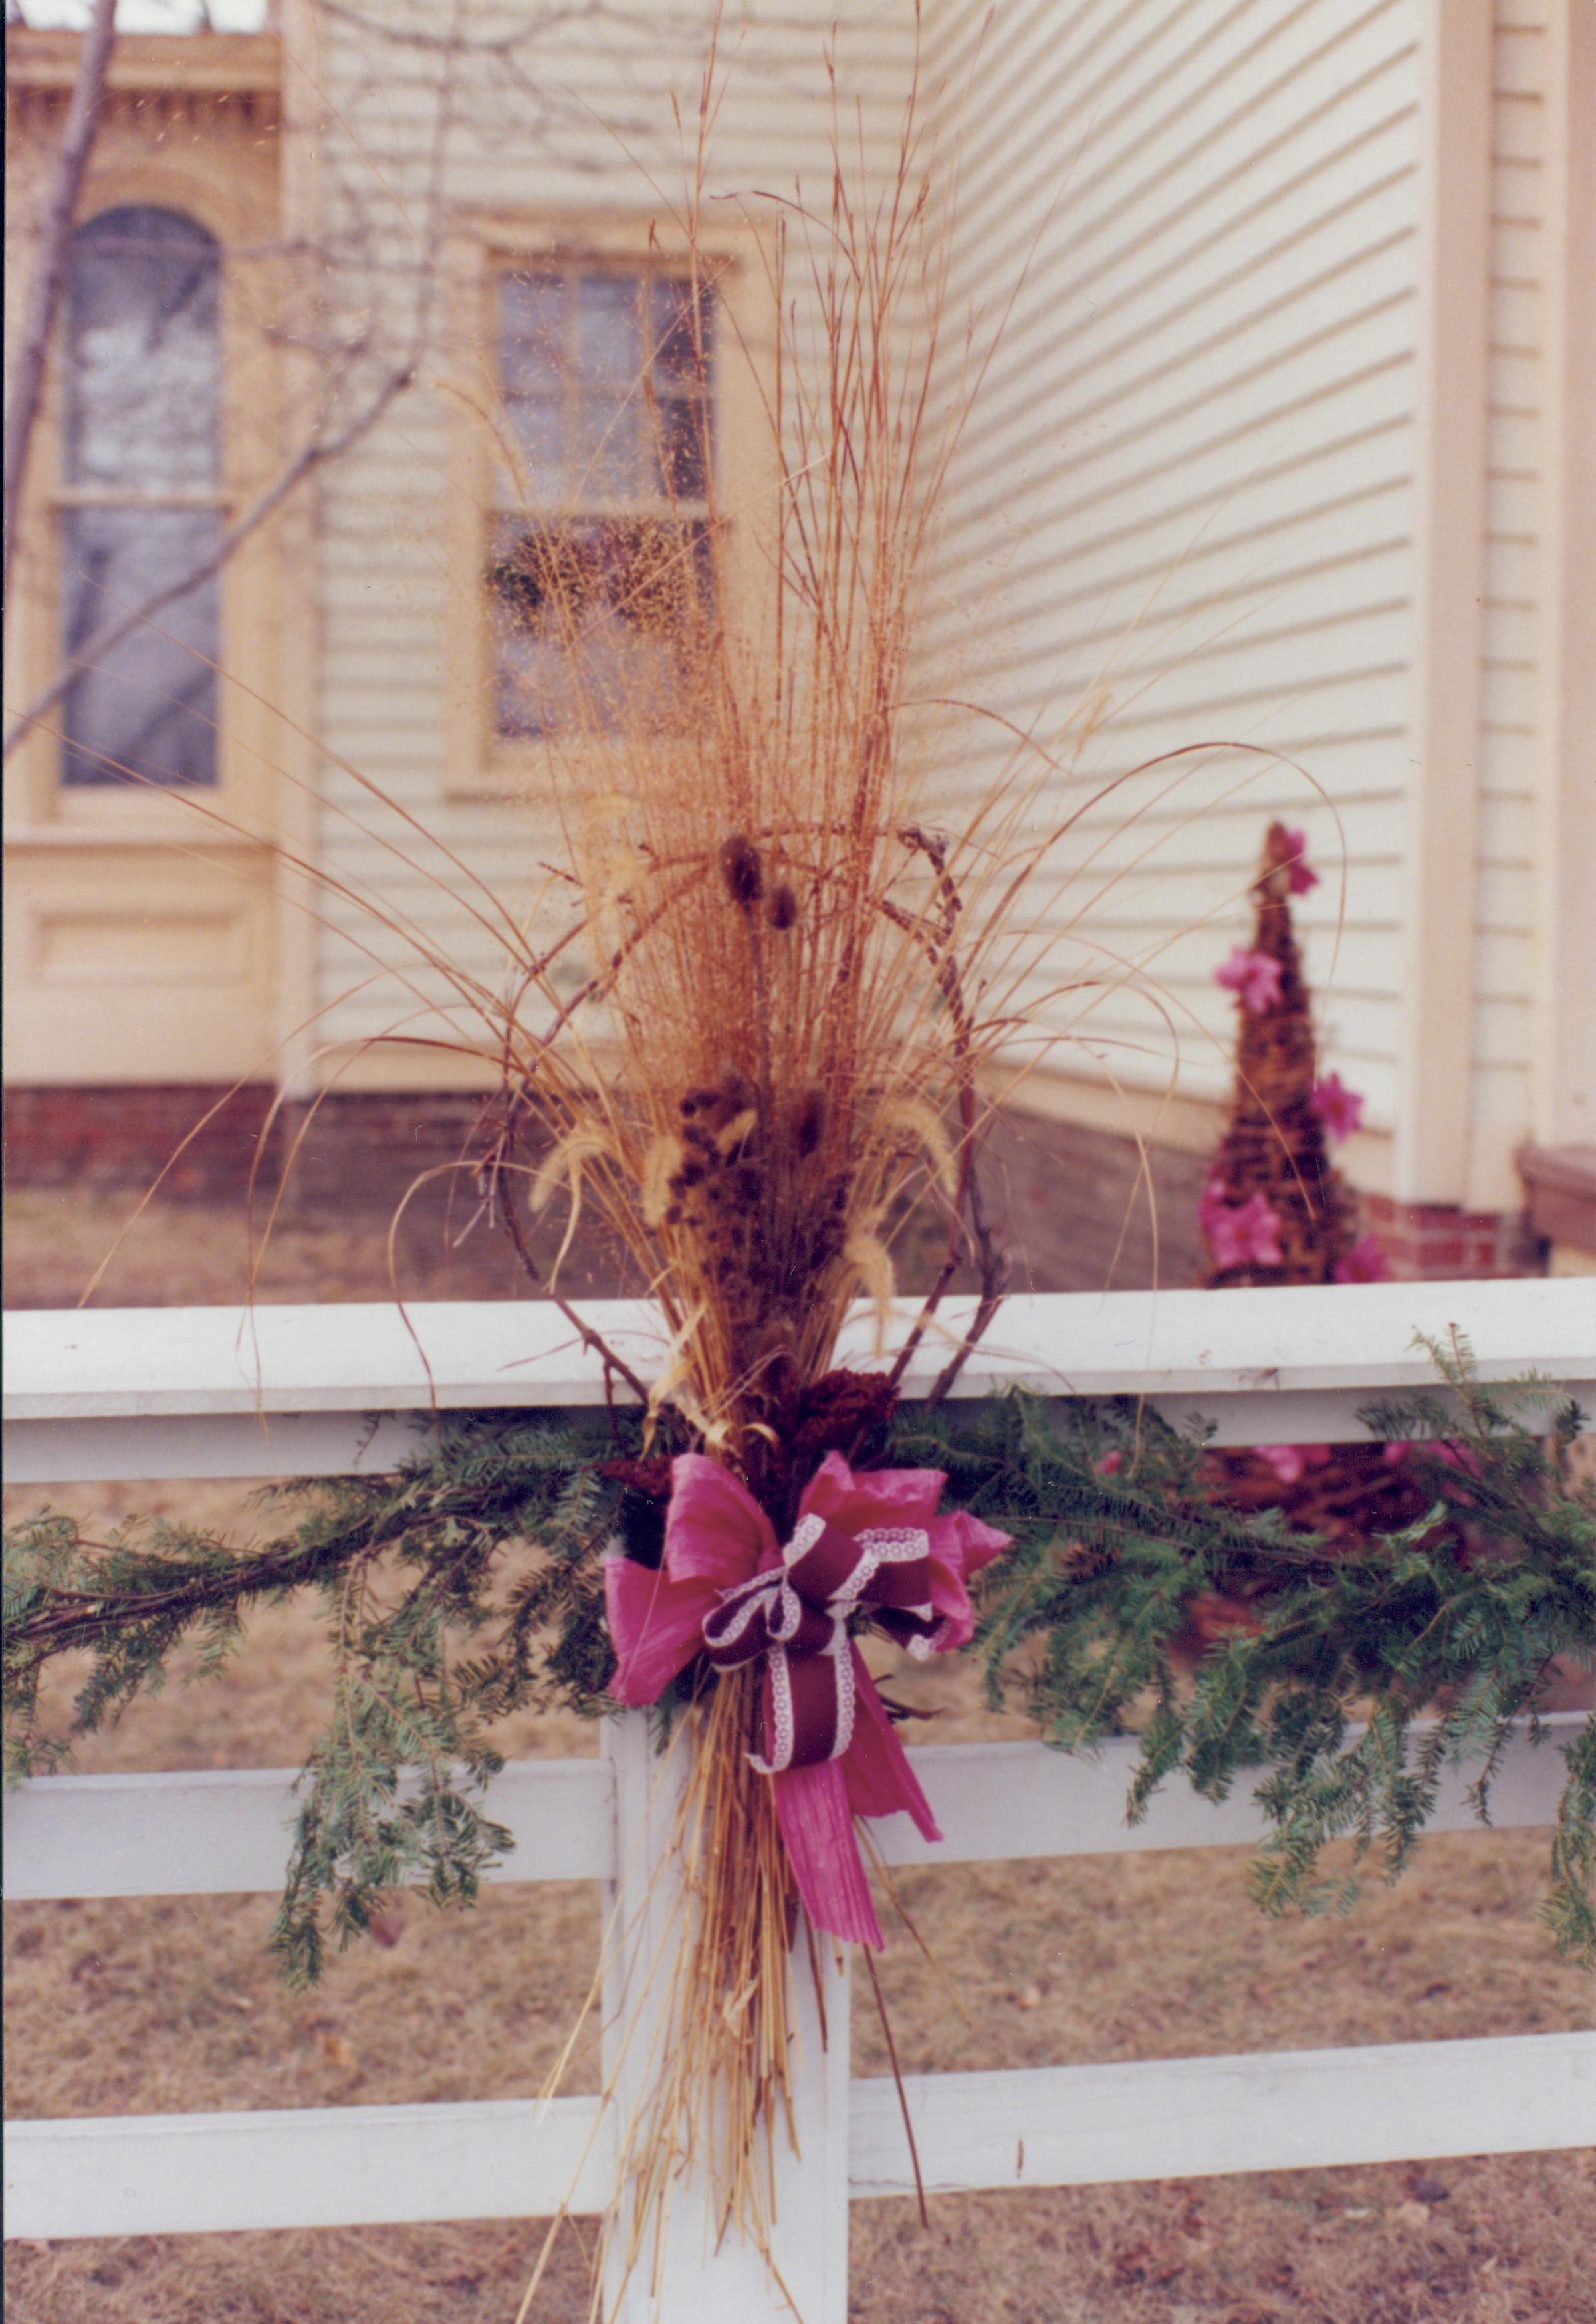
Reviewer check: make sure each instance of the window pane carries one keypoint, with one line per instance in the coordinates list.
(607, 456)
(150, 705)
(608, 353)
(592, 623)
(683, 448)
(531, 334)
(537, 428)
(144, 305)
(676, 354)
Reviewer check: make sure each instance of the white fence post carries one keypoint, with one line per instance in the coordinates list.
(681, 2274)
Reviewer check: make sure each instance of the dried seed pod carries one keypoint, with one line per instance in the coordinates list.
(809, 1121)
(782, 909)
(742, 870)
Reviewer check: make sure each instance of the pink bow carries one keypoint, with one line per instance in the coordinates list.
(726, 1588)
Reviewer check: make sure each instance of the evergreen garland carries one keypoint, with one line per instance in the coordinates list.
(468, 1586)
(443, 1620)
(1451, 1620)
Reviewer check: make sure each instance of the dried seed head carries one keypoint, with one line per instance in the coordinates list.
(809, 1122)
(743, 872)
(782, 909)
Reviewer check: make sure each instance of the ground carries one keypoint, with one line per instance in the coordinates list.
(167, 2004)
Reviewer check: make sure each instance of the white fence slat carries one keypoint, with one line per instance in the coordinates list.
(1010, 1800)
(1047, 2127)
(276, 1446)
(1200, 2117)
(1278, 1365)
(306, 2167)
(226, 1831)
(273, 1445)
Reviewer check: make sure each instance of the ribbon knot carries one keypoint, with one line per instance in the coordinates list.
(796, 1618)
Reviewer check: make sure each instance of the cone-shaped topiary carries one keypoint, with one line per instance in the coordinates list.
(1275, 1208)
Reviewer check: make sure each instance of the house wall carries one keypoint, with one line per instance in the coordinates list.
(1214, 490)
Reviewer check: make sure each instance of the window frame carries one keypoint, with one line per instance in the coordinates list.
(478, 761)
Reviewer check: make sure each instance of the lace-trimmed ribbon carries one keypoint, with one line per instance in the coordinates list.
(871, 1542)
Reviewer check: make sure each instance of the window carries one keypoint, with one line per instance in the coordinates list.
(598, 564)
(141, 504)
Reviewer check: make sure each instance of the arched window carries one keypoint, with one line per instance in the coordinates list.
(140, 507)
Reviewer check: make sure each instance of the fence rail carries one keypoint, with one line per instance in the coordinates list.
(195, 1393)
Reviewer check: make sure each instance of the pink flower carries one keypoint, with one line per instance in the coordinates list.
(1364, 1263)
(1252, 976)
(1298, 877)
(1246, 1235)
(1214, 1198)
(1339, 1108)
(1394, 1453)
(1456, 1455)
(1110, 1463)
(1291, 1461)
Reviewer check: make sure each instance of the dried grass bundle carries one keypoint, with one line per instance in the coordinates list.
(775, 1043)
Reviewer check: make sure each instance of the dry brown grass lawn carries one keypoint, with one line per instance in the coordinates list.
(162, 2004)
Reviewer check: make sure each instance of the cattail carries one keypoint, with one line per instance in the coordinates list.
(743, 872)
(809, 1124)
(782, 909)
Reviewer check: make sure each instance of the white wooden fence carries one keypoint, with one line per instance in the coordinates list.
(294, 1391)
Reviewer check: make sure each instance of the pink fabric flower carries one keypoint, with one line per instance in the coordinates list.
(1214, 1198)
(1339, 1108)
(1298, 877)
(1246, 1235)
(716, 1538)
(1364, 1263)
(1290, 1462)
(1252, 976)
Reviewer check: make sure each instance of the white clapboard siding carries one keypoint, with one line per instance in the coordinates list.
(1042, 2127)
(224, 1831)
(286, 1391)
(1190, 470)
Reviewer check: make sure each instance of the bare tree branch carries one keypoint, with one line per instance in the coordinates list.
(55, 237)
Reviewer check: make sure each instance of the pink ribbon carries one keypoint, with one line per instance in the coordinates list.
(870, 1542)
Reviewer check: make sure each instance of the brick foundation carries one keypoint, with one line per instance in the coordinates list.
(1433, 1242)
(1075, 1202)
(108, 1138)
